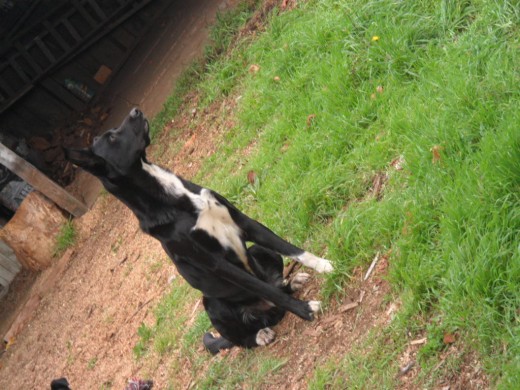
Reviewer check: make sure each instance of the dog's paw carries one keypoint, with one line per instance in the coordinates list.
(315, 306)
(265, 336)
(315, 262)
(324, 266)
(299, 281)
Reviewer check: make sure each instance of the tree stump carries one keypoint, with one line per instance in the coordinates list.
(32, 231)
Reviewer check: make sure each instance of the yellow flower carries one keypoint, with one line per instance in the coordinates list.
(375, 38)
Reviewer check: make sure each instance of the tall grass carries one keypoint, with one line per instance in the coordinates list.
(344, 88)
(65, 239)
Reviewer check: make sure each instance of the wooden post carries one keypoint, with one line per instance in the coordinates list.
(40, 182)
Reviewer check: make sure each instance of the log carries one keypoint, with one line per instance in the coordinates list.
(41, 289)
(26, 314)
(33, 230)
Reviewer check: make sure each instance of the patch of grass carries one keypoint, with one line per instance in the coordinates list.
(171, 316)
(92, 363)
(222, 33)
(66, 238)
(436, 89)
(250, 367)
(330, 108)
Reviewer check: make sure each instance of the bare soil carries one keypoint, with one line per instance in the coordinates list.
(86, 325)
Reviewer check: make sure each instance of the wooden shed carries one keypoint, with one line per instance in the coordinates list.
(57, 57)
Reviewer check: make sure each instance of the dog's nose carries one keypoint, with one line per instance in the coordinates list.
(135, 113)
(96, 139)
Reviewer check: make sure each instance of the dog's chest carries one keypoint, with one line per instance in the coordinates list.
(214, 218)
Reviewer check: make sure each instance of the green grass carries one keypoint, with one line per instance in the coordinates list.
(171, 316)
(66, 238)
(221, 36)
(449, 72)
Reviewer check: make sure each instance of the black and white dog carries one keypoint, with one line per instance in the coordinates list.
(206, 237)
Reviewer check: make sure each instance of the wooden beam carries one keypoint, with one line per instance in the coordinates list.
(40, 182)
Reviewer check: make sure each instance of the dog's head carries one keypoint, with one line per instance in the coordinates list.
(116, 152)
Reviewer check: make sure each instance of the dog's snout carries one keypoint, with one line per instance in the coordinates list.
(135, 113)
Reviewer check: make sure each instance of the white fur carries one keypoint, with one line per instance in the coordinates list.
(214, 218)
(315, 306)
(315, 262)
(265, 336)
(299, 280)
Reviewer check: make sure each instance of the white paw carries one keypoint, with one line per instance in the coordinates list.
(315, 262)
(265, 336)
(315, 306)
(324, 266)
(299, 280)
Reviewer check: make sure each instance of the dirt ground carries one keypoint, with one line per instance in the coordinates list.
(85, 327)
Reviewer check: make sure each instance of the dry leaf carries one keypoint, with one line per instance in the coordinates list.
(310, 118)
(436, 153)
(251, 177)
(449, 338)
(348, 306)
(398, 163)
(276, 78)
(254, 68)
(311, 332)
(379, 89)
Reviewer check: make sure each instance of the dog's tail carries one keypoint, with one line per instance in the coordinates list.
(215, 344)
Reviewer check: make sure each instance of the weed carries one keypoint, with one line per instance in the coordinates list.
(66, 238)
(92, 363)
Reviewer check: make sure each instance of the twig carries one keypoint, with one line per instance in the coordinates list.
(406, 369)
(419, 341)
(139, 308)
(372, 266)
(361, 296)
(290, 268)
(192, 315)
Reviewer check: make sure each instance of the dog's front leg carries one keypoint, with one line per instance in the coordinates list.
(220, 267)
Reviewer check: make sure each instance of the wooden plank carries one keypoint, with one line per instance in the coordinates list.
(72, 31)
(23, 52)
(97, 9)
(9, 264)
(18, 70)
(52, 31)
(45, 50)
(5, 277)
(62, 94)
(41, 182)
(84, 13)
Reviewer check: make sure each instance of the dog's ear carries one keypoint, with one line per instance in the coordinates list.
(84, 158)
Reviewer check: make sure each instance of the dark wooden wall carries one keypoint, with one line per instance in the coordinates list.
(48, 103)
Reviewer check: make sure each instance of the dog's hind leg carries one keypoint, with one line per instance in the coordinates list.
(260, 234)
(296, 283)
(216, 344)
(245, 325)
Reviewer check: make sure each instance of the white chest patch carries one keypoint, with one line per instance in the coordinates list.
(214, 218)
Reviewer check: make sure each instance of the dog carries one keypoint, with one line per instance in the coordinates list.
(244, 293)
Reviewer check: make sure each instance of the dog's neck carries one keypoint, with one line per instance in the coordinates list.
(162, 191)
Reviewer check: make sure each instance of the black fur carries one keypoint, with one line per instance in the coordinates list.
(204, 235)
